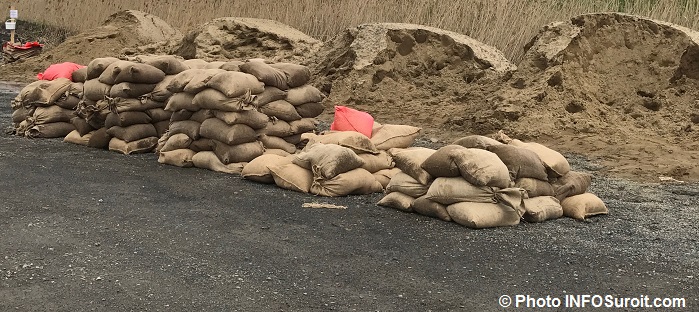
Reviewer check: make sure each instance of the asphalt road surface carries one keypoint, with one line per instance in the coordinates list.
(84, 229)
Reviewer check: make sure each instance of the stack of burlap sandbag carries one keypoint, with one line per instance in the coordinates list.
(226, 114)
(335, 163)
(44, 108)
(123, 103)
(480, 182)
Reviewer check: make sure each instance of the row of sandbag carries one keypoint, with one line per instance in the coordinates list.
(223, 119)
(335, 163)
(44, 109)
(480, 182)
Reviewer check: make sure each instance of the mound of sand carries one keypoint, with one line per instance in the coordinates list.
(410, 74)
(614, 86)
(241, 38)
(125, 29)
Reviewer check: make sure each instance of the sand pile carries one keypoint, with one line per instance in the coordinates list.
(240, 38)
(614, 86)
(121, 30)
(408, 73)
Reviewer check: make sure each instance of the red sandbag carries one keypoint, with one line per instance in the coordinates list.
(62, 70)
(348, 119)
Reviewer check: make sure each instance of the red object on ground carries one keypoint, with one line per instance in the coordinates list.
(348, 119)
(62, 70)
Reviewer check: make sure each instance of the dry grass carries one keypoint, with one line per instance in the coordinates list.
(505, 24)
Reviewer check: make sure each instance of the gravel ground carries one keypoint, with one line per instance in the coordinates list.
(84, 229)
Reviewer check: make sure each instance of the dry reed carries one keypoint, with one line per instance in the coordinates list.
(505, 24)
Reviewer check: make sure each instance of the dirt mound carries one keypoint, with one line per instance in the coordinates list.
(241, 38)
(410, 74)
(614, 86)
(121, 30)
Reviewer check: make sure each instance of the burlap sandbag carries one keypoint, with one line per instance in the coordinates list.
(535, 187)
(50, 130)
(405, 184)
(200, 82)
(409, 160)
(482, 167)
(355, 141)
(237, 153)
(272, 142)
(216, 129)
(125, 71)
(97, 119)
(188, 127)
(582, 206)
(278, 152)
(397, 200)
(145, 145)
(521, 162)
(97, 66)
(556, 163)
(328, 160)
(208, 160)
(268, 95)
(68, 102)
(303, 125)
(252, 118)
(192, 80)
(201, 115)
(378, 162)
(126, 119)
(476, 141)
(195, 63)
(130, 89)
(120, 105)
(483, 215)
(176, 141)
(202, 145)
(384, 176)
(75, 138)
(21, 113)
(429, 208)
(95, 90)
(79, 75)
(356, 182)
(169, 64)
(442, 163)
(304, 94)
(278, 128)
(133, 132)
(571, 184)
(258, 169)
(181, 101)
(447, 191)
(215, 65)
(161, 127)
(160, 92)
(235, 84)
(180, 158)
(53, 113)
(232, 65)
(293, 139)
(292, 177)
(158, 114)
(100, 139)
(395, 136)
(296, 75)
(181, 115)
(265, 73)
(281, 110)
(48, 92)
(215, 100)
(310, 110)
(542, 208)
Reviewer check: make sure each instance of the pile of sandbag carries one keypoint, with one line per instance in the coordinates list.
(226, 114)
(44, 108)
(123, 102)
(480, 182)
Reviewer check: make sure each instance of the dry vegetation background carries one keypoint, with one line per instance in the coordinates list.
(505, 24)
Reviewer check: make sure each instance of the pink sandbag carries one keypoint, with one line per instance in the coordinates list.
(62, 70)
(348, 119)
